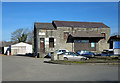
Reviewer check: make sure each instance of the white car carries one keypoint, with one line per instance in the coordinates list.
(60, 51)
(72, 56)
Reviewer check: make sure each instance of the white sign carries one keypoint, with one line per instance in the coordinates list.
(41, 33)
(46, 40)
(92, 44)
(54, 42)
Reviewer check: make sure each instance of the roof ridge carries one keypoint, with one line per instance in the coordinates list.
(41, 23)
(80, 24)
(77, 21)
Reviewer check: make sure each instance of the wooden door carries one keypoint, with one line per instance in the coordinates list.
(42, 45)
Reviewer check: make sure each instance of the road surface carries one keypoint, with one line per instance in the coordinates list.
(20, 68)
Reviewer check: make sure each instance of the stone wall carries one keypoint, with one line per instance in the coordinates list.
(61, 43)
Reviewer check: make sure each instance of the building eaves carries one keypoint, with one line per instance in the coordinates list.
(46, 26)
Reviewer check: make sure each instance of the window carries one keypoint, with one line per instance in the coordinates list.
(92, 44)
(116, 44)
(66, 35)
(103, 34)
(81, 41)
(51, 42)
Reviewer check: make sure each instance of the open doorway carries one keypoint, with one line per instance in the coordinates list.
(51, 42)
(42, 45)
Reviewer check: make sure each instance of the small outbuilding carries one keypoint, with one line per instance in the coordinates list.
(5, 48)
(115, 43)
(21, 48)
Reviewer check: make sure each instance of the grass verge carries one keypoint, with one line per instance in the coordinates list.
(96, 60)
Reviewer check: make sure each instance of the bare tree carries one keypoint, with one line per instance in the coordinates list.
(30, 35)
(115, 33)
(21, 35)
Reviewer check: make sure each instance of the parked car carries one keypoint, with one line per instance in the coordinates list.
(85, 53)
(72, 56)
(61, 51)
(108, 52)
(58, 52)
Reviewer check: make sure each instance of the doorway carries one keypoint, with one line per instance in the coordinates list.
(42, 45)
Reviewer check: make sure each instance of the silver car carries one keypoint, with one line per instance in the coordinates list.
(72, 56)
(60, 51)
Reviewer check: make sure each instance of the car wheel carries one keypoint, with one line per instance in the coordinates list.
(65, 58)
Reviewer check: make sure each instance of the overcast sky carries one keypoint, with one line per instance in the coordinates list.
(23, 14)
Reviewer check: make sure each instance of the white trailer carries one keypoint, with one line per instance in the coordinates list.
(21, 48)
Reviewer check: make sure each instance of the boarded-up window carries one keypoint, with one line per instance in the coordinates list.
(103, 34)
(51, 42)
(66, 35)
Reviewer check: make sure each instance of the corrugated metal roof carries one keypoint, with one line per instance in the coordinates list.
(80, 24)
(87, 34)
(115, 37)
(47, 26)
(5, 44)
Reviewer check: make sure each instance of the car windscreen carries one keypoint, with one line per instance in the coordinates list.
(104, 53)
(63, 50)
(74, 54)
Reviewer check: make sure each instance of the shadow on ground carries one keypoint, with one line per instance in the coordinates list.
(26, 55)
(31, 55)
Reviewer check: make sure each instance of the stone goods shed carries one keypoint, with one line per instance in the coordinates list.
(70, 35)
